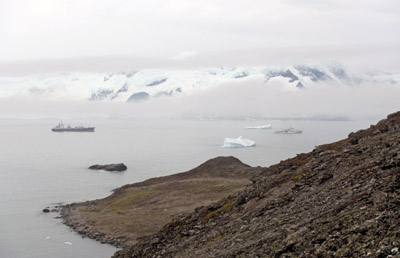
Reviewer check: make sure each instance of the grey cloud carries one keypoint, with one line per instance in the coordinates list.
(157, 30)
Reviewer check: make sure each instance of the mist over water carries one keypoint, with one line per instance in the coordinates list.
(234, 100)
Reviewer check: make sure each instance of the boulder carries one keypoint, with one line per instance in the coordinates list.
(110, 167)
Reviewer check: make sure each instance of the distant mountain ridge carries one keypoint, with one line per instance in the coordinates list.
(155, 83)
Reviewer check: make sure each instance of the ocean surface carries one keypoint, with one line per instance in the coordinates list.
(40, 168)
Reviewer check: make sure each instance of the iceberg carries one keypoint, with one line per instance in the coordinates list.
(289, 130)
(239, 142)
(259, 127)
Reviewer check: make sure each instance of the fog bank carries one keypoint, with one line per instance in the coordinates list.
(253, 99)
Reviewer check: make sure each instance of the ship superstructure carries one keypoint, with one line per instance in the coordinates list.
(62, 128)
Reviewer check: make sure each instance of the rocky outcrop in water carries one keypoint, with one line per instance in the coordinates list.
(110, 167)
(340, 200)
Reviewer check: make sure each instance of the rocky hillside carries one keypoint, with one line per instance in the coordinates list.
(340, 200)
(143, 208)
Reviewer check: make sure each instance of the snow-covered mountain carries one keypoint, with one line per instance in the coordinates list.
(142, 85)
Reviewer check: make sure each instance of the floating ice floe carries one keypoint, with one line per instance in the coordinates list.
(238, 142)
(259, 127)
(289, 130)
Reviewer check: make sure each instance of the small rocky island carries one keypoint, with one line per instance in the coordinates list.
(110, 167)
(340, 200)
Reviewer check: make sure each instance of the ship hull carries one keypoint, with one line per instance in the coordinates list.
(86, 129)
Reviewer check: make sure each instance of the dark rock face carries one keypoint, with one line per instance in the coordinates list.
(130, 74)
(110, 167)
(156, 82)
(340, 200)
(124, 88)
(287, 74)
(164, 93)
(339, 72)
(315, 74)
(241, 75)
(299, 85)
(139, 97)
(107, 77)
(101, 94)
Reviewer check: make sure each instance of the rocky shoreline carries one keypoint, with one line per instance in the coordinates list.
(85, 229)
(154, 202)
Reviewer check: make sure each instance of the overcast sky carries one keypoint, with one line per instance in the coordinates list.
(68, 34)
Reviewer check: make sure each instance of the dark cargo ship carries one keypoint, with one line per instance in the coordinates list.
(61, 128)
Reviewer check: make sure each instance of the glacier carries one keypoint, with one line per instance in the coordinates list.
(239, 142)
(161, 83)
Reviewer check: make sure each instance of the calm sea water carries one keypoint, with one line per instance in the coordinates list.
(40, 168)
